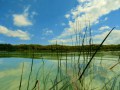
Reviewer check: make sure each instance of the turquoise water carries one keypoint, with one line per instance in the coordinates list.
(11, 69)
(46, 69)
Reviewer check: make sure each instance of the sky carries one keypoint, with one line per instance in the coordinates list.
(49, 21)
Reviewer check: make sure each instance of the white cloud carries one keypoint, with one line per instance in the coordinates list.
(22, 19)
(104, 28)
(26, 9)
(14, 33)
(114, 37)
(60, 41)
(96, 22)
(67, 15)
(47, 31)
(88, 10)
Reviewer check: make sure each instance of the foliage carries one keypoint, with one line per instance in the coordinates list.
(63, 48)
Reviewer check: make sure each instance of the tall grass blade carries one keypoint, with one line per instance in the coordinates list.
(95, 54)
(21, 77)
(30, 73)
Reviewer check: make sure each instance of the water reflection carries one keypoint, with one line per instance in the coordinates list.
(47, 67)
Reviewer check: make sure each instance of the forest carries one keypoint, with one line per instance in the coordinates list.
(54, 48)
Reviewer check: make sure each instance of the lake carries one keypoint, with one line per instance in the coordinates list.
(56, 71)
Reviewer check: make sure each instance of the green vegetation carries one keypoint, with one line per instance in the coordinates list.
(54, 48)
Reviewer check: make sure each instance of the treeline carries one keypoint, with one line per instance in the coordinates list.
(54, 48)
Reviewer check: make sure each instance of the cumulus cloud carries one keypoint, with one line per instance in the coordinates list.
(88, 11)
(14, 33)
(114, 37)
(104, 28)
(22, 19)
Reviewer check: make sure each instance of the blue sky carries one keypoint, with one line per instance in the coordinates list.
(47, 21)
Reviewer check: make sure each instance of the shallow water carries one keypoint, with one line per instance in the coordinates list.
(46, 69)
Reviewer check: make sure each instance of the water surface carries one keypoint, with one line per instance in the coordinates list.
(46, 67)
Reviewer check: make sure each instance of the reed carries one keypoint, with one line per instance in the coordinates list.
(95, 54)
(21, 77)
(76, 73)
(30, 73)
